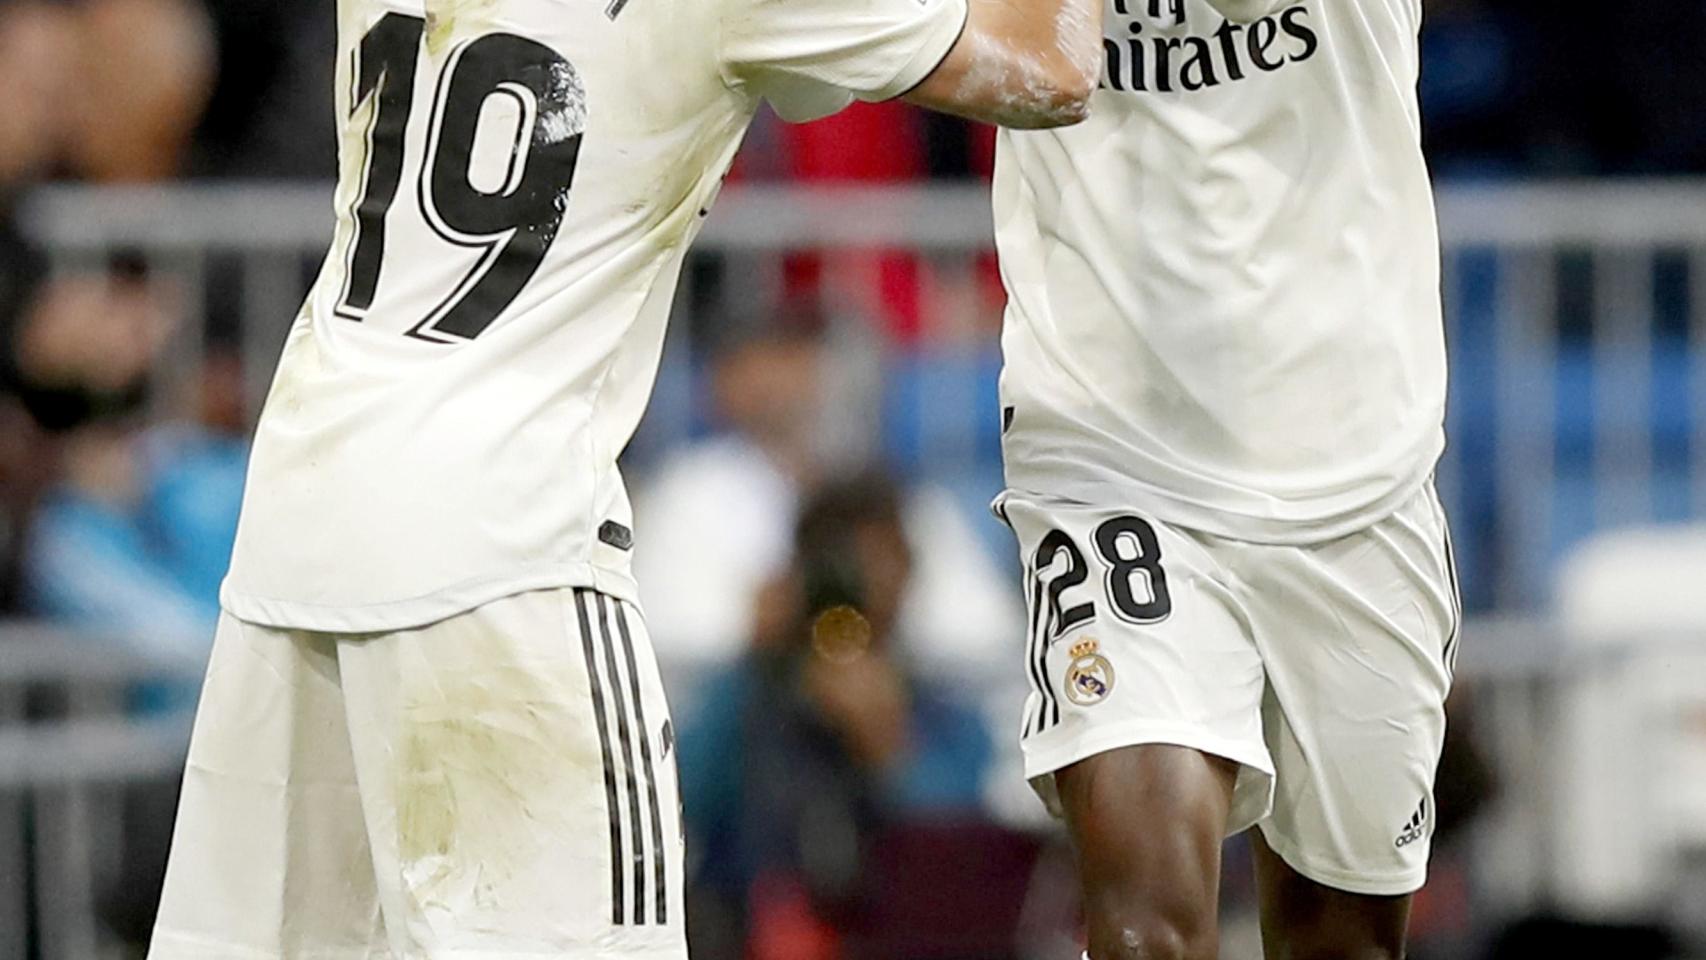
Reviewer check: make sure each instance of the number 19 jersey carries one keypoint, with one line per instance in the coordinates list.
(1224, 285)
(519, 181)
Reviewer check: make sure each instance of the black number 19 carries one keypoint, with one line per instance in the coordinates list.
(514, 226)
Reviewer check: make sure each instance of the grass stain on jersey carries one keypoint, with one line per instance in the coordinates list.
(298, 369)
(445, 18)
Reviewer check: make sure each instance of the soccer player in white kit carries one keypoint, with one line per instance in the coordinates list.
(432, 724)
(1223, 401)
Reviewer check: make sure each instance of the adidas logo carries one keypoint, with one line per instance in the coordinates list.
(1416, 828)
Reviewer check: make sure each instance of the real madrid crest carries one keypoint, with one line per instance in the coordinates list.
(1090, 678)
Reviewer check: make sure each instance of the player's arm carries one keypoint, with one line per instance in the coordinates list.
(1021, 63)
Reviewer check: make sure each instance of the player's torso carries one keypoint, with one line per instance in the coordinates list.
(518, 182)
(1225, 281)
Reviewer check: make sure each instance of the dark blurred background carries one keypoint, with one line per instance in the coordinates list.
(825, 435)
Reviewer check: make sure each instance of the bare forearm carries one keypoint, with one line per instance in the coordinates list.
(1020, 63)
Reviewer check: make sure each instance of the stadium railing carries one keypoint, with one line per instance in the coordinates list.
(70, 748)
(1577, 324)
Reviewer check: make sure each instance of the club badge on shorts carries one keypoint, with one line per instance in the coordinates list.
(1090, 677)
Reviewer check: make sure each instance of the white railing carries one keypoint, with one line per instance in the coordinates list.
(69, 747)
(1577, 314)
(61, 775)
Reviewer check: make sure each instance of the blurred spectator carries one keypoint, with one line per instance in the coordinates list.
(136, 536)
(1534, 87)
(130, 531)
(23, 469)
(1662, 78)
(144, 72)
(82, 344)
(103, 90)
(817, 739)
(1471, 88)
(126, 522)
(714, 519)
(111, 524)
(37, 46)
(89, 562)
(271, 113)
(81, 353)
(21, 478)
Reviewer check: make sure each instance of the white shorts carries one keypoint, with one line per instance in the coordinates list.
(1322, 670)
(497, 785)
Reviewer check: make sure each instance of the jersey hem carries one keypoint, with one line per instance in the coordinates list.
(168, 946)
(407, 614)
(1370, 884)
(1174, 510)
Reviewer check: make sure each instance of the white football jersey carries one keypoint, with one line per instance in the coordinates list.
(1223, 287)
(519, 182)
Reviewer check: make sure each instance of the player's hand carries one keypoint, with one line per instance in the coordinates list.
(863, 695)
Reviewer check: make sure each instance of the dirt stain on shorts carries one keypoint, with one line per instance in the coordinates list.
(490, 766)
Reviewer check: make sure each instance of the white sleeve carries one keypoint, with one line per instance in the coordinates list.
(810, 57)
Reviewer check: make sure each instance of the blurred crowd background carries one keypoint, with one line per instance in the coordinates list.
(825, 433)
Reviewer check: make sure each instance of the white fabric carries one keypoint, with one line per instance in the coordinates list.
(1321, 669)
(402, 472)
(439, 792)
(1224, 299)
(716, 522)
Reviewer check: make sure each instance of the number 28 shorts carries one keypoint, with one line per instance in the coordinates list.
(1321, 669)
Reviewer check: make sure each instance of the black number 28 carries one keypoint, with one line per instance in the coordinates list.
(512, 227)
(1136, 584)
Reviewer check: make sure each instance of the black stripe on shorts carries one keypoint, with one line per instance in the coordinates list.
(658, 852)
(630, 780)
(615, 811)
(1449, 655)
(1037, 656)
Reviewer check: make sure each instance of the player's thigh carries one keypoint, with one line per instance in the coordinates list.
(518, 775)
(1357, 638)
(1305, 920)
(1147, 822)
(1134, 638)
(269, 854)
